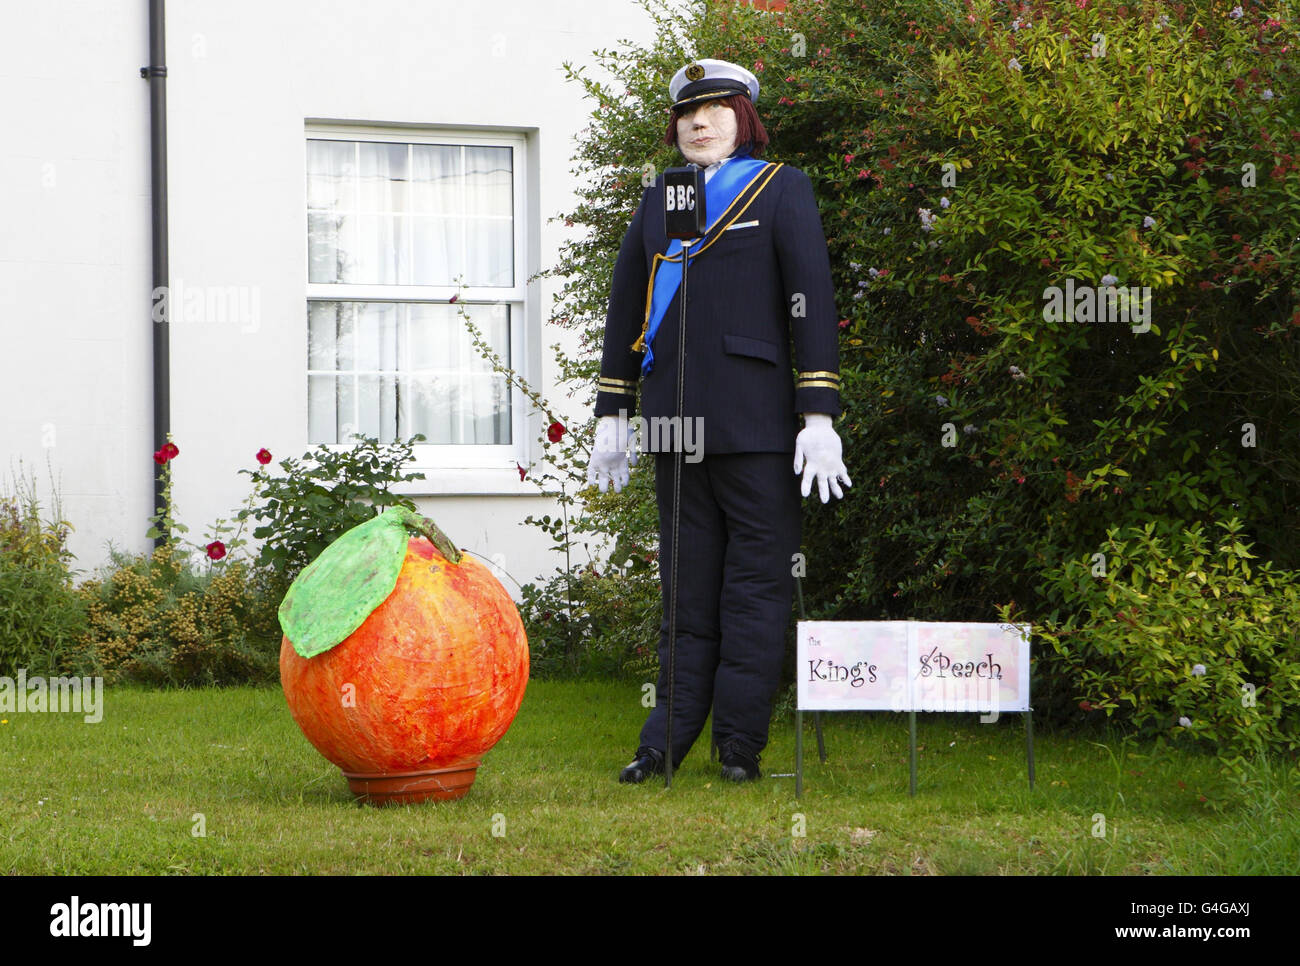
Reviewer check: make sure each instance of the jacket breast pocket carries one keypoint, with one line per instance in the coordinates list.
(745, 345)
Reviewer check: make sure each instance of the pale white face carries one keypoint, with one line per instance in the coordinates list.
(707, 133)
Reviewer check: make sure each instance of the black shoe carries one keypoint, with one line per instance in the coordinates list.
(738, 765)
(648, 761)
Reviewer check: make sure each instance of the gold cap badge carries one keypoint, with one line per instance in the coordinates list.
(694, 72)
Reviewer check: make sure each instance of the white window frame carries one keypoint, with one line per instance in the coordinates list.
(428, 457)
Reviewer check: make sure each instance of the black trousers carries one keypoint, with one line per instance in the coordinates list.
(739, 532)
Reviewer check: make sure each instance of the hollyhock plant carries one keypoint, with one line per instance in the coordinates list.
(555, 432)
(216, 550)
(264, 456)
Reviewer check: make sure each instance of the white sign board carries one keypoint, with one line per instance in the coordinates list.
(912, 666)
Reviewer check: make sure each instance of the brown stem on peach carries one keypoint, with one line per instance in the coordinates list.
(425, 527)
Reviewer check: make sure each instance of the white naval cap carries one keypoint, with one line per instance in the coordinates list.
(701, 80)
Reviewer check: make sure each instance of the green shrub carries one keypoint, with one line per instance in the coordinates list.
(320, 496)
(155, 619)
(41, 616)
(600, 622)
(1183, 635)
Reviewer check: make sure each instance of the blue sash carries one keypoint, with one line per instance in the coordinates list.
(720, 192)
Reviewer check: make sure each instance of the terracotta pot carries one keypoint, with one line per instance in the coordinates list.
(401, 788)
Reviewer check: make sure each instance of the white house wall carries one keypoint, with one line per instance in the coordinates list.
(244, 81)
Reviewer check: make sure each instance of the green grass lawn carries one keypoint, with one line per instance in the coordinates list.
(124, 796)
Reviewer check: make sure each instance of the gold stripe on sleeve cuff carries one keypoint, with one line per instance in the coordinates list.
(621, 386)
(816, 384)
(820, 374)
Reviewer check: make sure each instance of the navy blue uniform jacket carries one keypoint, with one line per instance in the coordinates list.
(764, 283)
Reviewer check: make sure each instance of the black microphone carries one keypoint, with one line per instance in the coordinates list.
(684, 214)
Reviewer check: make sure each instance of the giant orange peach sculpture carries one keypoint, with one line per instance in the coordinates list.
(403, 660)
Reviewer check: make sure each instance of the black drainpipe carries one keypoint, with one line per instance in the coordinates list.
(156, 75)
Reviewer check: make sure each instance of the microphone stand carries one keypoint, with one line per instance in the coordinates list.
(677, 513)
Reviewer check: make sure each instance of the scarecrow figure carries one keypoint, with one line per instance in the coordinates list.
(758, 279)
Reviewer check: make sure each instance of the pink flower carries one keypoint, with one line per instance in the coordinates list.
(264, 456)
(216, 550)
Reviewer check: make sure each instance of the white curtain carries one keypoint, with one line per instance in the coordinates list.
(390, 370)
(382, 213)
(437, 222)
(410, 214)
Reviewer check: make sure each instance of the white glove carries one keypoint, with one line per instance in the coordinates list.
(609, 457)
(819, 447)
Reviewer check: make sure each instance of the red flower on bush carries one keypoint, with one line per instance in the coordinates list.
(522, 471)
(264, 456)
(1071, 486)
(159, 457)
(168, 451)
(554, 432)
(216, 550)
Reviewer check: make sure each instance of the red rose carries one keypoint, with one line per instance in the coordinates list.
(170, 451)
(555, 432)
(264, 456)
(522, 471)
(216, 550)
